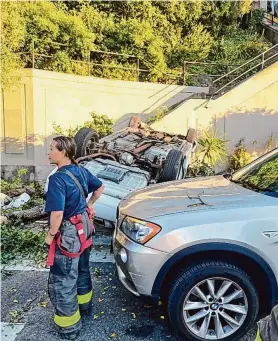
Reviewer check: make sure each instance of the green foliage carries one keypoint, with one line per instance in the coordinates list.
(265, 177)
(245, 6)
(240, 156)
(102, 124)
(211, 149)
(198, 168)
(12, 40)
(15, 182)
(270, 143)
(256, 19)
(17, 242)
(58, 130)
(161, 112)
(237, 46)
(41, 25)
(162, 34)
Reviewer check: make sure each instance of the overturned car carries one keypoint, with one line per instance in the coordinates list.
(131, 159)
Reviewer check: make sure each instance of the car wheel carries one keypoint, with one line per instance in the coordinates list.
(191, 135)
(85, 140)
(212, 301)
(172, 166)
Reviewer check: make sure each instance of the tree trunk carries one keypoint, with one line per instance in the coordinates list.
(30, 214)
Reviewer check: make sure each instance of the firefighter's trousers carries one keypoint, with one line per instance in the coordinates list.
(69, 284)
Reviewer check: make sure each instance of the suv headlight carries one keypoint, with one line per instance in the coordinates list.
(138, 230)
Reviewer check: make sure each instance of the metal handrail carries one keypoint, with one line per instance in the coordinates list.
(209, 63)
(246, 63)
(272, 20)
(114, 53)
(242, 74)
(173, 76)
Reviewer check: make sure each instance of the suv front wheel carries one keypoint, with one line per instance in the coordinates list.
(212, 300)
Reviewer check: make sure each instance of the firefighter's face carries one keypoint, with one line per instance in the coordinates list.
(55, 155)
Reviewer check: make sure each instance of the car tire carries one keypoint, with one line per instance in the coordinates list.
(85, 139)
(135, 122)
(190, 279)
(191, 135)
(172, 166)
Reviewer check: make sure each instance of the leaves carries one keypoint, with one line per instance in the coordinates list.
(101, 124)
(162, 34)
(16, 242)
(15, 182)
(97, 272)
(211, 149)
(240, 156)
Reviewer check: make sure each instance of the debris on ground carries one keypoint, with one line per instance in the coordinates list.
(18, 201)
(4, 199)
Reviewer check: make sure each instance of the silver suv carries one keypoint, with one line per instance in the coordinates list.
(208, 247)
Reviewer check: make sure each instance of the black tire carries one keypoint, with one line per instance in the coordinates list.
(188, 278)
(191, 135)
(83, 138)
(172, 166)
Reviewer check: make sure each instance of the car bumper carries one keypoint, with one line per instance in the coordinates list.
(138, 271)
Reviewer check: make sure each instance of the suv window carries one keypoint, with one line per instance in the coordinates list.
(261, 177)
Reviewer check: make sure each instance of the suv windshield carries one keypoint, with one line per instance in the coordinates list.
(260, 175)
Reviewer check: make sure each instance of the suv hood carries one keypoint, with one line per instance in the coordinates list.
(189, 195)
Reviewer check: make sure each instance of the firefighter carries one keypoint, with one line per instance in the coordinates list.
(70, 236)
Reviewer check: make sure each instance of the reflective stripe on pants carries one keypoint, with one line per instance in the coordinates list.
(258, 337)
(86, 298)
(67, 321)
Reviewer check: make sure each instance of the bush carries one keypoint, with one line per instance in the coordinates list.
(15, 182)
(21, 243)
(211, 149)
(161, 112)
(102, 124)
(240, 157)
(198, 168)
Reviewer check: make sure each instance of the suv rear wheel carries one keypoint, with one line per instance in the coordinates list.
(172, 166)
(212, 301)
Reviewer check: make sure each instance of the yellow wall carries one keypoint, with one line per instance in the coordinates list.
(17, 123)
(250, 110)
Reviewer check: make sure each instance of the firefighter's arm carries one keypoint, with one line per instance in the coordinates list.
(56, 218)
(95, 196)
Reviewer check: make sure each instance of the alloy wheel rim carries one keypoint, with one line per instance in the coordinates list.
(215, 308)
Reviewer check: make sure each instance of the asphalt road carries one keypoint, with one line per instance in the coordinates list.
(117, 314)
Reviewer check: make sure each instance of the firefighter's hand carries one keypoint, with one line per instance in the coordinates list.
(49, 239)
(91, 207)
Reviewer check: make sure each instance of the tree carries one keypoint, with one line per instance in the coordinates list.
(162, 34)
(12, 40)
